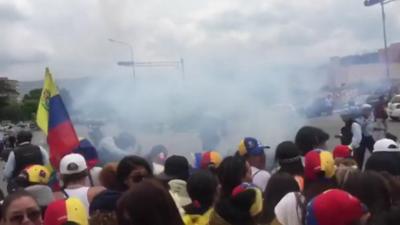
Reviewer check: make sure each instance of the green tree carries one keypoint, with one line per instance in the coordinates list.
(6, 90)
(30, 103)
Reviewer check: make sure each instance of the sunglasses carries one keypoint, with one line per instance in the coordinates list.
(33, 215)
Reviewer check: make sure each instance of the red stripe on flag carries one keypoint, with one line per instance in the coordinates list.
(62, 140)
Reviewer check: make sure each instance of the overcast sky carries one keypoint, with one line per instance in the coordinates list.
(220, 37)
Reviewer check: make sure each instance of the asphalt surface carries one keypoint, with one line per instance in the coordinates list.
(331, 125)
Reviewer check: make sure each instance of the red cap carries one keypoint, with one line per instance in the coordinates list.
(342, 151)
(334, 207)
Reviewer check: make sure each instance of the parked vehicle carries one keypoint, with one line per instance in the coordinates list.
(393, 108)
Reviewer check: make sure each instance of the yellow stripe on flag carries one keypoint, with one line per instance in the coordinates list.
(49, 90)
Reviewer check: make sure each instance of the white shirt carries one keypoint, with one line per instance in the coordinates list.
(10, 165)
(357, 135)
(288, 211)
(260, 177)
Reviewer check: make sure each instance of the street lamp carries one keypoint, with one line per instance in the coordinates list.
(382, 3)
(131, 51)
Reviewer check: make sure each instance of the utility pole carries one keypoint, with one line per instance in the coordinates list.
(386, 54)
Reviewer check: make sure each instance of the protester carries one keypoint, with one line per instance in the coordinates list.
(254, 153)
(233, 171)
(240, 208)
(278, 186)
(351, 132)
(373, 190)
(385, 157)
(23, 155)
(21, 208)
(380, 113)
(174, 178)
(336, 207)
(202, 190)
(131, 170)
(157, 156)
(209, 160)
(108, 176)
(102, 210)
(366, 121)
(33, 175)
(66, 211)
(42, 194)
(148, 203)
(289, 160)
(310, 138)
(319, 172)
(343, 156)
(74, 175)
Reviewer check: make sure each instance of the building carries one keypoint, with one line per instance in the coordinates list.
(365, 68)
(14, 85)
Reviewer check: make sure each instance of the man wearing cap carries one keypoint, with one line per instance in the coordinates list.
(385, 157)
(23, 155)
(254, 153)
(74, 173)
(175, 175)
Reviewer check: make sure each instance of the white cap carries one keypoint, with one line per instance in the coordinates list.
(386, 145)
(72, 164)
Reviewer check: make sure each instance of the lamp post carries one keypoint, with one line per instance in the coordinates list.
(382, 3)
(131, 52)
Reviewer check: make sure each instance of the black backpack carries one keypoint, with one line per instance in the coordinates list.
(347, 134)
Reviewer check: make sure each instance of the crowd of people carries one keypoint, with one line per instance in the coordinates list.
(310, 185)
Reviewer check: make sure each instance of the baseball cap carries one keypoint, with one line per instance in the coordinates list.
(334, 207)
(318, 164)
(257, 203)
(342, 151)
(36, 174)
(386, 145)
(250, 146)
(205, 159)
(175, 167)
(66, 210)
(72, 164)
(42, 193)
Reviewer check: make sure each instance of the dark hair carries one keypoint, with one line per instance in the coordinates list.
(24, 136)
(236, 210)
(372, 189)
(289, 159)
(307, 138)
(125, 167)
(155, 150)
(202, 188)
(231, 173)
(103, 218)
(11, 198)
(148, 203)
(69, 178)
(311, 190)
(278, 186)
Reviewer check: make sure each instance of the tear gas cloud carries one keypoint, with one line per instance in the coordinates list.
(198, 113)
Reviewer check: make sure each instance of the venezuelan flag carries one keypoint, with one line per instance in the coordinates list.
(53, 119)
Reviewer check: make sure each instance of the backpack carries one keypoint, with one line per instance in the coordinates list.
(347, 134)
(26, 155)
